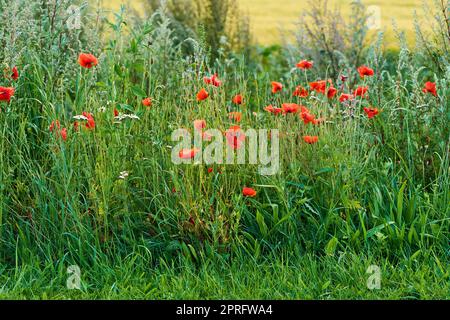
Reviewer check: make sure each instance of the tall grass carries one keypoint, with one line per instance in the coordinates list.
(376, 188)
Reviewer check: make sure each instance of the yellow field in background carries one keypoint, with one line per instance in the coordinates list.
(268, 17)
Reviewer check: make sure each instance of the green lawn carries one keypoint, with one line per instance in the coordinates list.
(308, 277)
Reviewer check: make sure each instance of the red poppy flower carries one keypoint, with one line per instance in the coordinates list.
(116, 112)
(331, 92)
(199, 125)
(273, 110)
(320, 86)
(236, 116)
(6, 93)
(87, 60)
(430, 87)
(213, 80)
(365, 71)
(300, 92)
(290, 108)
(276, 87)
(90, 122)
(210, 170)
(75, 126)
(345, 97)
(188, 153)
(371, 112)
(15, 73)
(361, 91)
(202, 95)
(147, 102)
(237, 99)
(63, 134)
(235, 137)
(53, 125)
(307, 117)
(310, 139)
(305, 64)
(248, 192)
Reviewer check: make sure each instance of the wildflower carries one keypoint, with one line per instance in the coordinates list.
(53, 125)
(273, 110)
(15, 73)
(63, 134)
(126, 116)
(199, 124)
(345, 97)
(213, 80)
(123, 175)
(75, 126)
(116, 112)
(276, 87)
(56, 127)
(365, 71)
(305, 64)
(237, 99)
(300, 92)
(87, 60)
(320, 86)
(210, 170)
(430, 87)
(371, 112)
(202, 95)
(310, 139)
(188, 153)
(236, 116)
(90, 122)
(6, 93)
(235, 137)
(361, 91)
(290, 108)
(147, 102)
(331, 92)
(307, 117)
(248, 192)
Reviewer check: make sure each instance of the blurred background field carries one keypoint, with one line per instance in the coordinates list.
(269, 19)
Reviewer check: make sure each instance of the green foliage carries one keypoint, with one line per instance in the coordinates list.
(219, 24)
(376, 189)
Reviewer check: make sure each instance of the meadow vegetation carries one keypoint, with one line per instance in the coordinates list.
(86, 176)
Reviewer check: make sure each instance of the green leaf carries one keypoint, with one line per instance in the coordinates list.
(323, 170)
(330, 248)
(123, 107)
(118, 70)
(137, 91)
(400, 202)
(377, 229)
(261, 223)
